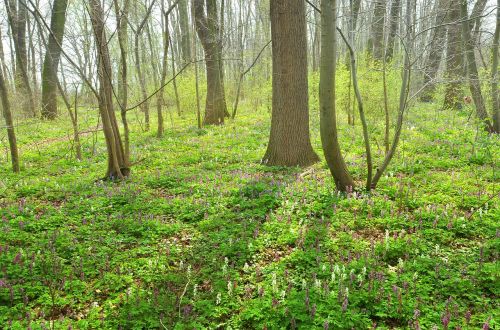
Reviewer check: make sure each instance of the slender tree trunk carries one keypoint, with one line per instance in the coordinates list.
(3, 65)
(208, 32)
(185, 31)
(289, 141)
(118, 164)
(9, 123)
(328, 122)
(52, 58)
(474, 82)
(495, 91)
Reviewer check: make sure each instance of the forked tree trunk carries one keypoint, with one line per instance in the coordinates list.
(328, 122)
(207, 27)
(118, 164)
(289, 142)
(474, 82)
(9, 123)
(52, 58)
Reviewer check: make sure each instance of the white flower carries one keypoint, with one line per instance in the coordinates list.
(195, 290)
(274, 282)
(230, 288)
(218, 299)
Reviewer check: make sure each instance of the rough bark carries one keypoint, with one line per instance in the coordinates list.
(16, 13)
(185, 31)
(289, 141)
(393, 29)
(118, 164)
(454, 65)
(328, 122)
(207, 28)
(377, 32)
(52, 59)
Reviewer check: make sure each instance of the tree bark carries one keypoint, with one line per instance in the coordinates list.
(207, 27)
(393, 29)
(377, 34)
(454, 63)
(289, 142)
(52, 59)
(328, 122)
(474, 82)
(16, 12)
(495, 91)
(435, 51)
(118, 164)
(185, 31)
(9, 123)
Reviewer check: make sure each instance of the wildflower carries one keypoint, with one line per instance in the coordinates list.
(274, 282)
(387, 239)
(229, 288)
(195, 290)
(218, 299)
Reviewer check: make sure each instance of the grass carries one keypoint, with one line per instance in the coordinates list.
(204, 236)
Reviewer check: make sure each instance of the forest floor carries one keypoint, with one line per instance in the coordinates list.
(204, 236)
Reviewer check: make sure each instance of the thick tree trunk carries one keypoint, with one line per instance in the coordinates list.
(118, 164)
(207, 27)
(289, 142)
(377, 32)
(16, 13)
(435, 51)
(9, 123)
(328, 122)
(474, 82)
(52, 58)
(454, 55)
(393, 28)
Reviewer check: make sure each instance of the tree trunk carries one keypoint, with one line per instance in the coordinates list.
(185, 31)
(289, 142)
(118, 164)
(17, 19)
(52, 58)
(328, 122)
(454, 55)
(9, 123)
(207, 27)
(377, 34)
(393, 29)
(474, 82)
(435, 51)
(494, 75)
(122, 27)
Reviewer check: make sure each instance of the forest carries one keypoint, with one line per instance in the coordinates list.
(249, 164)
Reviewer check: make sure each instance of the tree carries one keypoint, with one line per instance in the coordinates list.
(289, 141)
(328, 122)
(185, 40)
(52, 58)
(207, 27)
(118, 163)
(9, 123)
(16, 13)
(494, 75)
(438, 39)
(474, 83)
(454, 69)
(393, 29)
(377, 33)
